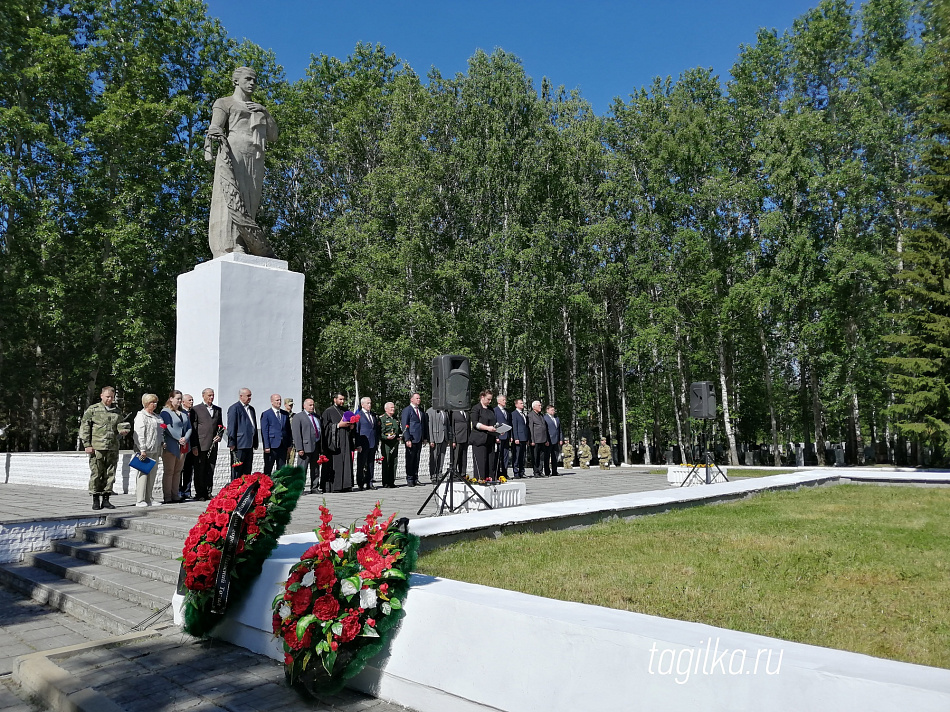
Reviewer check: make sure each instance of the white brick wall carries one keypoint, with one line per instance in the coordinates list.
(19, 539)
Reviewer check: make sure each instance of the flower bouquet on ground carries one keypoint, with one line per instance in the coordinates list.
(225, 550)
(342, 600)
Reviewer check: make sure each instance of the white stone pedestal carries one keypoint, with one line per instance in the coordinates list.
(240, 324)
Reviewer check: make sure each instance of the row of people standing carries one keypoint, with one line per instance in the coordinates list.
(184, 437)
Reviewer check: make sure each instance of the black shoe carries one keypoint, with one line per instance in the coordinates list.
(106, 504)
(370, 486)
(96, 504)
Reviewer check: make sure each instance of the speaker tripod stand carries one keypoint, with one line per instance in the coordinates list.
(693, 474)
(444, 489)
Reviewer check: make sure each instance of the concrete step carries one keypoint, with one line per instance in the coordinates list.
(154, 524)
(87, 604)
(155, 544)
(158, 568)
(147, 592)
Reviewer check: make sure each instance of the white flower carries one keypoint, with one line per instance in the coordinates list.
(347, 588)
(340, 545)
(367, 598)
(358, 537)
(308, 579)
(284, 611)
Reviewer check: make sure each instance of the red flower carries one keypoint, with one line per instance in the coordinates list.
(322, 460)
(326, 607)
(229, 505)
(288, 659)
(300, 601)
(371, 622)
(334, 645)
(354, 418)
(221, 519)
(213, 535)
(253, 529)
(325, 575)
(351, 628)
(163, 426)
(372, 561)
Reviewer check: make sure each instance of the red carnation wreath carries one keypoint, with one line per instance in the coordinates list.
(255, 509)
(343, 598)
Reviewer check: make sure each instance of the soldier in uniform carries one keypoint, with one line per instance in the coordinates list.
(389, 432)
(603, 454)
(567, 452)
(99, 431)
(584, 454)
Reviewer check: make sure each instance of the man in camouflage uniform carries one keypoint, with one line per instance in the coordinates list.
(99, 431)
(584, 454)
(567, 452)
(603, 454)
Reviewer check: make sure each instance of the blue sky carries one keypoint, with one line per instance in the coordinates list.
(604, 49)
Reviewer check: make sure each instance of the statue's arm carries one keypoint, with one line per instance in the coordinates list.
(271, 127)
(217, 129)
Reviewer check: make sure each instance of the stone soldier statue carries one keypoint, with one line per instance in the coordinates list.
(584, 454)
(242, 128)
(567, 452)
(99, 431)
(603, 454)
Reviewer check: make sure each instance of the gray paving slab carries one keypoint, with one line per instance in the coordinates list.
(11, 701)
(20, 503)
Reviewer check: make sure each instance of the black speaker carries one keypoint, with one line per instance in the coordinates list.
(702, 400)
(450, 383)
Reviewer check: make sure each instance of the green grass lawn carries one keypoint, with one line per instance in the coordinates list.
(854, 567)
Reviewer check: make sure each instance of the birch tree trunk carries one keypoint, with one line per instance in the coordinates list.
(724, 398)
(777, 458)
(816, 416)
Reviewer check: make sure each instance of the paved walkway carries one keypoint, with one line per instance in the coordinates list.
(23, 503)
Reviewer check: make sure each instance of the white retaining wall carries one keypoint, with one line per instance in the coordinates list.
(19, 539)
(463, 647)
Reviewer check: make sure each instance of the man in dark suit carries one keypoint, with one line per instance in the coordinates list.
(555, 438)
(539, 439)
(242, 434)
(520, 436)
(436, 422)
(275, 434)
(413, 434)
(306, 432)
(504, 439)
(459, 427)
(206, 428)
(367, 441)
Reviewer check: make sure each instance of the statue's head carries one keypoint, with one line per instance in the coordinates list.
(245, 77)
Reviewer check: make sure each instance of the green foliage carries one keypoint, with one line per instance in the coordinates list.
(745, 232)
(921, 375)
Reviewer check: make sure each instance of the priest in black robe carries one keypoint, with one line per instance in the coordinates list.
(339, 442)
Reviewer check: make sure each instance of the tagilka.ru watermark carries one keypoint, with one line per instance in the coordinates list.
(708, 659)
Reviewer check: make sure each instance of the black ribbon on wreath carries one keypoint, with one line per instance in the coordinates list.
(236, 525)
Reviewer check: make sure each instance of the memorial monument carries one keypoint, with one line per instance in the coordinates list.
(240, 315)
